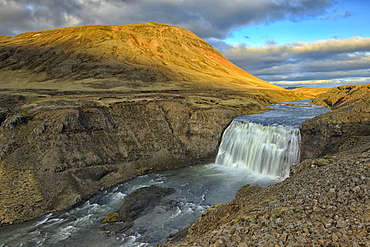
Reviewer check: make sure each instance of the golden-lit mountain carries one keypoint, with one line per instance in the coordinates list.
(125, 56)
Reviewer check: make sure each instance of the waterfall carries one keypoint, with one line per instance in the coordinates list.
(263, 150)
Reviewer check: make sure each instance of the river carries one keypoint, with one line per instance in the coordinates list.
(197, 188)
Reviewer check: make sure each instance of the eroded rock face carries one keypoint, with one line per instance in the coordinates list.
(56, 155)
(341, 128)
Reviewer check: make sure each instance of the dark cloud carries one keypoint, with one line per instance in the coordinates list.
(20, 15)
(208, 19)
(320, 60)
(220, 44)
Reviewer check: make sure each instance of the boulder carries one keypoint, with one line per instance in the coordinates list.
(137, 204)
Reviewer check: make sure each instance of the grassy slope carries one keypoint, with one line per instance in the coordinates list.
(128, 62)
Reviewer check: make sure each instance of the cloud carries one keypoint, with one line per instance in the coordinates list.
(215, 19)
(301, 61)
(325, 83)
(336, 16)
(271, 42)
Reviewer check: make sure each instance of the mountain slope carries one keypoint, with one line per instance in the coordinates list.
(131, 56)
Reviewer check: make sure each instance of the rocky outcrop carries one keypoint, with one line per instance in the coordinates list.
(342, 96)
(340, 129)
(137, 204)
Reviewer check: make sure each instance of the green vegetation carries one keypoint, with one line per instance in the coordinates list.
(110, 217)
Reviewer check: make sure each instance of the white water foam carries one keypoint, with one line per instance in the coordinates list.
(43, 219)
(261, 150)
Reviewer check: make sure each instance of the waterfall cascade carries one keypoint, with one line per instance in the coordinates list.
(263, 150)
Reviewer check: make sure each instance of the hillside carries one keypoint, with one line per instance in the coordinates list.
(125, 57)
(341, 128)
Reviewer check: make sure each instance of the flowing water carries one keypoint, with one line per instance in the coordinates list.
(263, 150)
(255, 149)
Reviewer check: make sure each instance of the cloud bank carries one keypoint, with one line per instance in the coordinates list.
(208, 19)
(334, 60)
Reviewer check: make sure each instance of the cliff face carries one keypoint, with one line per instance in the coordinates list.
(340, 129)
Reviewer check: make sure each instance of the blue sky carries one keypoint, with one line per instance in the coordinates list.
(286, 42)
(343, 24)
(345, 20)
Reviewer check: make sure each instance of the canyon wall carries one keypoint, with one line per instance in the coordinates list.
(57, 154)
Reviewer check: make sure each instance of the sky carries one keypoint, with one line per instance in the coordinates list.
(285, 42)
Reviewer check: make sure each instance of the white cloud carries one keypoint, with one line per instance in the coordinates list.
(324, 83)
(319, 60)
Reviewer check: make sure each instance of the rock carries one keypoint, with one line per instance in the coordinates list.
(137, 204)
(346, 127)
(342, 96)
